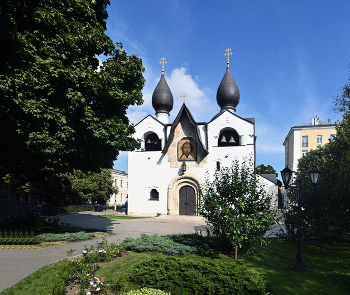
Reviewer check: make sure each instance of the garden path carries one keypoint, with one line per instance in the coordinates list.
(17, 264)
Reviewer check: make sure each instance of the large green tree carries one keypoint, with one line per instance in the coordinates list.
(237, 207)
(93, 185)
(326, 209)
(57, 111)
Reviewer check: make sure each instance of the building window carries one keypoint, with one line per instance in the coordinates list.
(115, 182)
(305, 141)
(303, 153)
(217, 166)
(228, 137)
(319, 139)
(121, 197)
(331, 137)
(115, 198)
(152, 142)
(154, 195)
(121, 183)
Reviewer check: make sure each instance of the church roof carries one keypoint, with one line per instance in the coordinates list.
(162, 98)
(250, 120)
(152, 118)
(270, 177)
(228, 95)
(184, 111)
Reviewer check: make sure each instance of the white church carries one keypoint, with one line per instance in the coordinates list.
(166, 173)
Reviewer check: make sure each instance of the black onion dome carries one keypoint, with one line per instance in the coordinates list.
(162, 98)
(227, 95)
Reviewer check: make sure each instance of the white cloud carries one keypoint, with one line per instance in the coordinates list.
(179, 83)
(136, 116)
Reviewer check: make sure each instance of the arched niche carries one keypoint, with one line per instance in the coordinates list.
(152, 142)
(228, 137)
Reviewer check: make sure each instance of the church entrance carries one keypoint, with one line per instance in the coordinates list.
(187, 201)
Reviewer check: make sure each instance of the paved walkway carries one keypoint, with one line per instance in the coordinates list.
(17, 264)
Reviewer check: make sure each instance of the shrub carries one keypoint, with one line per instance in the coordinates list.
(79, 272)
(71, 237)
(18, 238)
(175, 245)
(147, 291)
(183, 276)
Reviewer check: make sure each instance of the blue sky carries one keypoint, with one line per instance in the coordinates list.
(289, 59)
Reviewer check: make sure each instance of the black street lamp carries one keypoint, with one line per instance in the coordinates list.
(315, 175)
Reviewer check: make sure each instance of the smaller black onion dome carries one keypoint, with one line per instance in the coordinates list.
(162, 98)
(227, 95)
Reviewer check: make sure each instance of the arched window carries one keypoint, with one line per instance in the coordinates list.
(152, 142)
(228, 137)
(154, 195)
(217, 166)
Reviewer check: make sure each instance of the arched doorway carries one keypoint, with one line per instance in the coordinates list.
(179, 181)
(187, 201)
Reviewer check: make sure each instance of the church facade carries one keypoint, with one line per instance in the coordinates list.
(166, 173)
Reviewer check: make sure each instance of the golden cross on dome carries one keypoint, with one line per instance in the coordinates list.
(162, 62)
(184, 95)
(228, 53)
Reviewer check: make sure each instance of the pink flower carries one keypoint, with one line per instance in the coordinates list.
(102, 280)
(98, 289)
(91, 283)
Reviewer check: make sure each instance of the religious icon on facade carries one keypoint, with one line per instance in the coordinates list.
(187, 150)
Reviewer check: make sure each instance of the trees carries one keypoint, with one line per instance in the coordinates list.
(57, 111)
(262, 169)
(326, 209)
(92, 185)
(237, 206)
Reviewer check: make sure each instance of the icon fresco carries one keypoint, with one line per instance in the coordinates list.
(187, 150)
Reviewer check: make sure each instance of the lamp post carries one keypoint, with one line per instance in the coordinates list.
(315, 175)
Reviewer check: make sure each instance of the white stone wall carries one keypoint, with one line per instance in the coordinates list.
(152, 170)
(271, 189)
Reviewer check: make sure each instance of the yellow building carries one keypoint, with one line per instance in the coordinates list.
(301, 139)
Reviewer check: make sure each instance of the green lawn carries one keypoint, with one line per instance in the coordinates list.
(335, 255)
(274, 268)
(110, 216)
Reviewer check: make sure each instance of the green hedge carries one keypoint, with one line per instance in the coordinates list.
(18, 238)
(190, 277)
(71, 237)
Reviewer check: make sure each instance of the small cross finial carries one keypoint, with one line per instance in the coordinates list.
(162, 62)
(228, 53)
(184, 95)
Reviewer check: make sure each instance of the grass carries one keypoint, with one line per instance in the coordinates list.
(41, 282)
(110, 216)
(335, 255)
(275, 269)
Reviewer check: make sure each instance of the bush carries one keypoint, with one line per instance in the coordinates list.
(18, 238)
(182, 276)
(71, 237)
(175, 245)
(146, 291)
